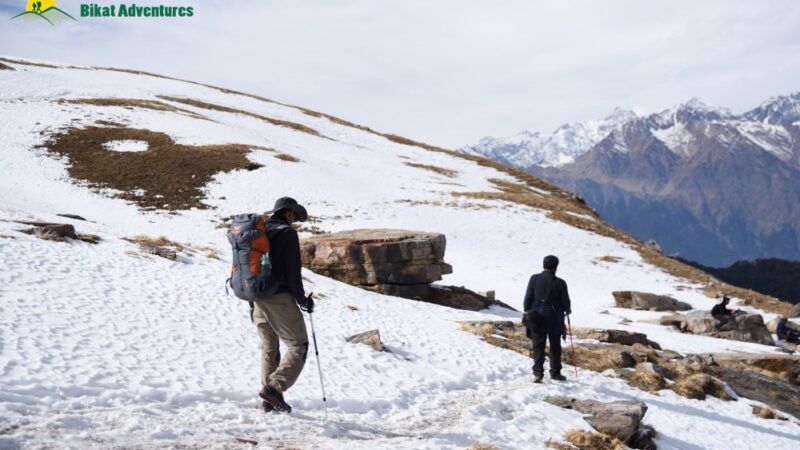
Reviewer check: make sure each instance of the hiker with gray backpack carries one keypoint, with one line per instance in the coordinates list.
(266, 273)
(546, 305)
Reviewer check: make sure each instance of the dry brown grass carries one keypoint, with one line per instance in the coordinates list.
(646, 380)
(131, 103)
(166, 176)
(287, 158)
(699, 386)
(450, 173)
(483, 447)
(590, 440)
(6, 236)
(608, 259)
(352, 307)
(45, 234)
(148, 241)
(87, 237)
(28, 63)
(767, 413)
(215, 107)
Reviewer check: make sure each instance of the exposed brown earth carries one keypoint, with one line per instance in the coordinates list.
(215, 107)
(5, 67)
(440, 170)
(131, 103)
(167, 175)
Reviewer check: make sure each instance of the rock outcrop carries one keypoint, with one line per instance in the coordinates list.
(615, 337)
(743, 327)
(621, 419)
(400, 263)
(772, 379)
(648, 302)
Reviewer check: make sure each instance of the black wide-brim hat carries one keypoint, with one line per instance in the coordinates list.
(300, 213)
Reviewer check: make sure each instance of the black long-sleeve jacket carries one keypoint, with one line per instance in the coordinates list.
(537, 287)
(284, 255)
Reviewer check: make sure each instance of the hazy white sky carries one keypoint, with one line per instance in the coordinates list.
(448, 72)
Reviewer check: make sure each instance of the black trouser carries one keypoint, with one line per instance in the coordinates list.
(539, 339)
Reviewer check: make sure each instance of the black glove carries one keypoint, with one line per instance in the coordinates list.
(307, 304)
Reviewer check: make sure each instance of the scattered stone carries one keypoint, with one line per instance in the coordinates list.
(743, 327)
(352, 307)
(58, 231)
(795, 310)
(767, 413)
(163, 252)
(5, 67)
(648, 302)
(72, 216)
(371, 338)
(620, 419)
(771, 379)
(698, 386)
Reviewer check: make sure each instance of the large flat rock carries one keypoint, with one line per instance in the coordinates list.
(371, 257)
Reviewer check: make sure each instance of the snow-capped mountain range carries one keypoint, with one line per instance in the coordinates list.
(731, 180)
(563, 146)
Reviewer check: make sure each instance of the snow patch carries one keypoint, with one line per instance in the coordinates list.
(126, 146)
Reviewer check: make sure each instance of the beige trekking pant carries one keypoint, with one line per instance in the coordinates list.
(279, 318)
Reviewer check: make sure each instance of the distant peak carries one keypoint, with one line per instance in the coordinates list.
(621, 115)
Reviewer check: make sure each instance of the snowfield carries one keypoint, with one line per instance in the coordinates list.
(102, 346)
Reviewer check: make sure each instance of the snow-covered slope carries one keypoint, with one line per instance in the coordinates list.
(563, 146)
(103, 347)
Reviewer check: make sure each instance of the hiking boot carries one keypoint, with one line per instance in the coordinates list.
(266, 406)
(557, 376)
(275, 398)
(537, 378)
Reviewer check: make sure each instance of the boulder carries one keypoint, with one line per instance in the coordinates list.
(795, 310)
(371, 338)
(391, 262)
(760, 387)
(648, 302)
(620, 419)
(60, 230)
(615, 337)
(743, 327)
(374, 257)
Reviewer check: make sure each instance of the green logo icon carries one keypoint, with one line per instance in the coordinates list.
(36, 10)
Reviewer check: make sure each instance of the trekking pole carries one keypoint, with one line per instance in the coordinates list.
(572, 347)
(319, 367)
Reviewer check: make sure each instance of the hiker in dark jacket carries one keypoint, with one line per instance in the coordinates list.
(546, 303)
(278, 318)
(784, 332)
(720, 310)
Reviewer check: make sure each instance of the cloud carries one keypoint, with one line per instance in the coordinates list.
(449, 72)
